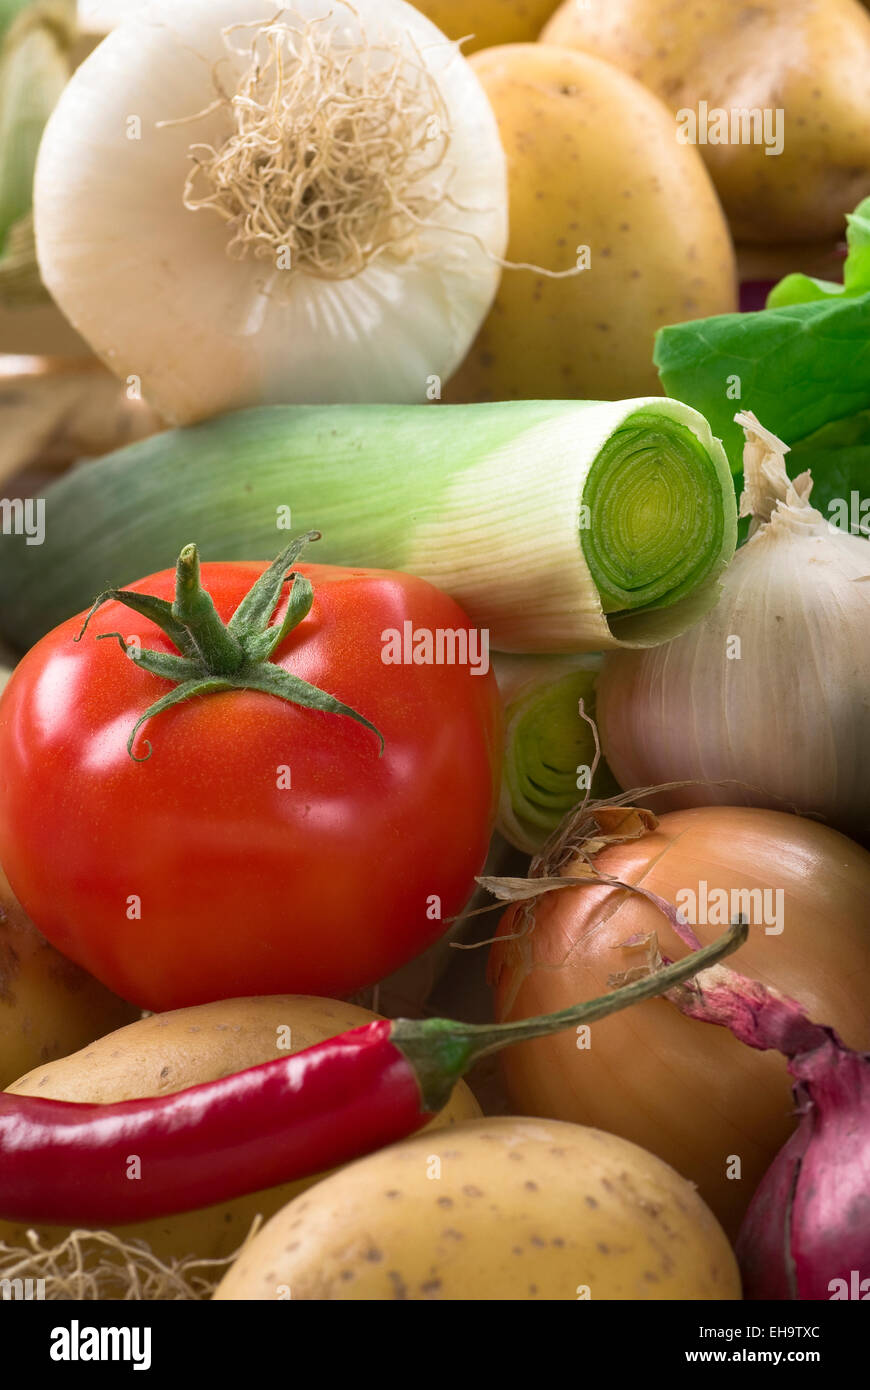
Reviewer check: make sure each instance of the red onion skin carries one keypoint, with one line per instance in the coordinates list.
(808, 1224)
(763, 1244)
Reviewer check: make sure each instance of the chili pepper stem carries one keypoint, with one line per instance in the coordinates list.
(441, 1051)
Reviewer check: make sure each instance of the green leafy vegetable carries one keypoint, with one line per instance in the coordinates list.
(804, 289)
(838, 456)
(802, 365)
(798, 368)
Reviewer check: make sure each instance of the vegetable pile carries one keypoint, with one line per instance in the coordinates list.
(403, 525)
(300, 1115)
(691, 1096)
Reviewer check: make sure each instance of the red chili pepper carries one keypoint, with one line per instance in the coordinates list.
(63, 1162)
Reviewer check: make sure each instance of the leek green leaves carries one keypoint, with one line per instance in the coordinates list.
(35, 65)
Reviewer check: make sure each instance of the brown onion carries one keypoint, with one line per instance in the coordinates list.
(693, 1095)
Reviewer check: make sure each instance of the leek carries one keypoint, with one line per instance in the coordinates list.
(9, 11)
(559, 526)
(551, 755)
(36, 43)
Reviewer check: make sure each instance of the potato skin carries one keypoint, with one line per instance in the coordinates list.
(592, 161)
(488, 21)
(809, 58)
(171, 1051)
(522, 1210)
(48, 1005)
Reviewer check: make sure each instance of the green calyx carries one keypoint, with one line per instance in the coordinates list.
(217, 656)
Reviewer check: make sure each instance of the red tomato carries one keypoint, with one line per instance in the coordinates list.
(199, 874)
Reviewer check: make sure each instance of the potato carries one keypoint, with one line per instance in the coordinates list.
(168, 1052)
(499, 1209)
(805, 58)
(592, 162)
(48, 1005)
(488, 22)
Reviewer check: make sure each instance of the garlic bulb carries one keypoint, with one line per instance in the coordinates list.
(236, 206)
(771, 691)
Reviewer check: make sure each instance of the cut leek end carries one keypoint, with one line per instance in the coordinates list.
(550, 753)
(658, 525)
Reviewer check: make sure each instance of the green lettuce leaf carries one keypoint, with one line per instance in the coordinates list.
(802, 365)
(798, 368)
(838, 456)
(804, 289)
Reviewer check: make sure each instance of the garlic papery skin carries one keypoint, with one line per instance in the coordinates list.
(185, 106)
(770, 693)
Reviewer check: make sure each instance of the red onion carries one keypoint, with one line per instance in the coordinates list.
(806, 1234)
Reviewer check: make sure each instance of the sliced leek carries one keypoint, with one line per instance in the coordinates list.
(524, 511)
(551, 754)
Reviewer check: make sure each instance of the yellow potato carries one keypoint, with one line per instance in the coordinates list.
(48, 1005)
(171, 1051)
(592, 162)
(499, 1209)
(488, 21)
(808, 59)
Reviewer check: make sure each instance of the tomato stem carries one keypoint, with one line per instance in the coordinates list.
(195, 610)
(218, 656)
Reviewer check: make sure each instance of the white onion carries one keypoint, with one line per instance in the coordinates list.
(149, 283)
(101, 16)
